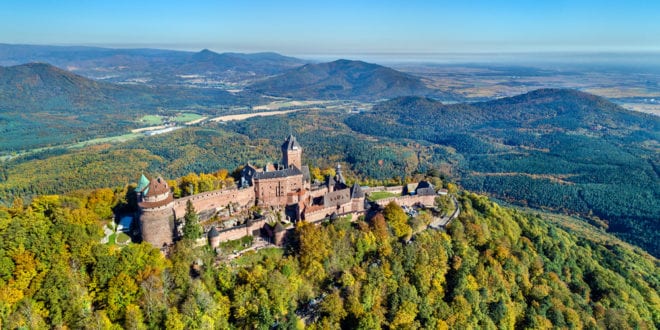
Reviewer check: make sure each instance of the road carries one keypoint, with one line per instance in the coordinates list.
(444, 221)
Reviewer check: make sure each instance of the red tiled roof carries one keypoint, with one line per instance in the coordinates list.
(158, 186)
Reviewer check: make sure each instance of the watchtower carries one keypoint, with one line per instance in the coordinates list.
(292, 153)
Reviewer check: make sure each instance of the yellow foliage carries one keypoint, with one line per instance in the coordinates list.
(472, 283)
(405, 315)
(25, 270)
(9, 294)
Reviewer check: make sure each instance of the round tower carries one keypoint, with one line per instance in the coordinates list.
(156, 215)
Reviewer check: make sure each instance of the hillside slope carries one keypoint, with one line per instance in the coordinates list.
(560, 149)
(41, 104)
(342, 79)
(494, 268)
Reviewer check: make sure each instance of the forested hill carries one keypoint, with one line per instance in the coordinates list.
(563, 109)
(343, 79)
(41, 86)
(495, 267)
(35, 87)
(560, 149)
(41, 104)
(257, 63)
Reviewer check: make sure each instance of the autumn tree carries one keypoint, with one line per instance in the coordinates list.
(398, 220)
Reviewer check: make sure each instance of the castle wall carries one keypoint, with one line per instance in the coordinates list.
(394, 189)
(321, 214)
(241, 231)
(427, 200)
(216, 199)
(319, 192)
(357, 204)
(274, 191)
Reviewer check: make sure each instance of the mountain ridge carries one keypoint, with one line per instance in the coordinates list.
(343, 79)
(157, 66)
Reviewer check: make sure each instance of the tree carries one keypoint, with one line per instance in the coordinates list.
(398, 220)
(191, 228)
(100, 201)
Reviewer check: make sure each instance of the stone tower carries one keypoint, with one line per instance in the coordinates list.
(292, 153)
(156, 218)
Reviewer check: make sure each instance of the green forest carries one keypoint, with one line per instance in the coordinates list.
(558, 150)
(495, 267)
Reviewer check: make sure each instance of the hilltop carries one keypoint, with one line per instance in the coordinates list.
(493, 267)
(342, 79)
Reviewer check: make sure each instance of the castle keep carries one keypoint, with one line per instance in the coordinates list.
(286, 187)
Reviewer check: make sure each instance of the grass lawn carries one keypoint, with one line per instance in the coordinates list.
(152, 120)
(237, 245)
(186, 117)
(110, 139)
(374, 196)
(252, 257)
(122, 238)
(112, 240)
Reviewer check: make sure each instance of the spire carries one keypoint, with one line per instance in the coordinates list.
(340, 177)
(290, 143)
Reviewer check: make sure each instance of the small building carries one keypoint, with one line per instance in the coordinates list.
(425, 188)
(125, 223)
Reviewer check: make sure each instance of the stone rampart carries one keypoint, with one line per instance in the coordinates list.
(426, 200)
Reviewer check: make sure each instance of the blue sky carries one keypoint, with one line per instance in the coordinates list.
(339, 27)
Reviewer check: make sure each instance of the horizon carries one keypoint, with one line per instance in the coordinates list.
(622, 57)
(296, 27)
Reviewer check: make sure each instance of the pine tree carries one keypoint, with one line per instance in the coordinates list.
(191, 228)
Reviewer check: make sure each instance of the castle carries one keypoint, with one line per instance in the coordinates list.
(286, 187)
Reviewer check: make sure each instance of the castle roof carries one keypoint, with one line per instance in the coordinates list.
(356, 191)
(142, 184)
(291, 171)
(425, 188)
(291, 144)
(158, 186)
(213, 232)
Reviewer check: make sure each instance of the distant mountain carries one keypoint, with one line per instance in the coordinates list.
(552, 148)
(564, 109)
(41, 104)
(151, 66)
(257, 63)
(40, 86)
(343, 79)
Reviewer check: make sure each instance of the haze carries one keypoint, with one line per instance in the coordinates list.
(303, 28)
